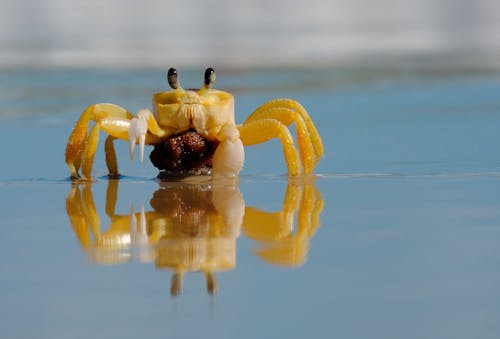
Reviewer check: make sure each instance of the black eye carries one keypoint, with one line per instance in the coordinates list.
(173, 79)
(209, 77)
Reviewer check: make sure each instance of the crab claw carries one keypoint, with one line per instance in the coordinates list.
(137, 133)
(229, 156)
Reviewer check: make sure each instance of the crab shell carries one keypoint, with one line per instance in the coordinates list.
(211, 114)
(184, 109)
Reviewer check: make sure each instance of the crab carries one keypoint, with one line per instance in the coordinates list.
(215, 144)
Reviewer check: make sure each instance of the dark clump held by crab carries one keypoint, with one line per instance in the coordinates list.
(184, 154)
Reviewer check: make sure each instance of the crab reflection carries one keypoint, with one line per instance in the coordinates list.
(193, 227)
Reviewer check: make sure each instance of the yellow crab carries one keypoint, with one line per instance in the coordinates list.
(208, 114)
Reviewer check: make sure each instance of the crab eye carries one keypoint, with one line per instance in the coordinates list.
(173, 79)
(209, 77)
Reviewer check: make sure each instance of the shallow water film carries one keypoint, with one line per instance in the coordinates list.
(395, 236)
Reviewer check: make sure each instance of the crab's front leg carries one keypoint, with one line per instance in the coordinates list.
(118, 124)
(80, 149)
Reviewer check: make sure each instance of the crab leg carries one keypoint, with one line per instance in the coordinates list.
(109, 149)
(287, 120)
(78, 138)
(259, 131)
(288, 111)
(116, 128)
(287, 116)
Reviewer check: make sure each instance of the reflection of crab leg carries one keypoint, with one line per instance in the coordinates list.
(310, 209)
(271, 226)
(91, 213)
(82, 213)
(288, 111)
(275, 231)
(74, 209)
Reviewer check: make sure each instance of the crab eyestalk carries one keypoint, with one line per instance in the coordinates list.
(208, 81)
(173, 78)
